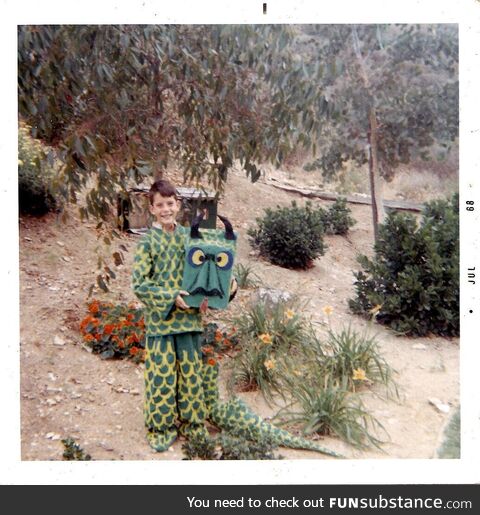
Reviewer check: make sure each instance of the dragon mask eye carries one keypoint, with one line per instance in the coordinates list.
(224, 260)
(196, 257)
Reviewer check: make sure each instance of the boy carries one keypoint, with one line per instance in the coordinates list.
(173, 360)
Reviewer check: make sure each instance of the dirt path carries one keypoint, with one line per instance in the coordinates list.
(66, 391)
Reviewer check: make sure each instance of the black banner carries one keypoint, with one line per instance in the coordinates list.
(197, 499)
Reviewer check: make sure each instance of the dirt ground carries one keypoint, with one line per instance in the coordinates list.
(67, 391)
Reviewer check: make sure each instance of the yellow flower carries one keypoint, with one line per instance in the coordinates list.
(359, 374)
(328, 310)
(269, 364)
(265, 338)
(20, 162)
(375, 309)
(289, 314)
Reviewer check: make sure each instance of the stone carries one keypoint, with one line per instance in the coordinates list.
(419, 346)
(59, 342)
(439, 405)
(270, 297)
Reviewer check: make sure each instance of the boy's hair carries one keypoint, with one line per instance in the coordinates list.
(165, 188)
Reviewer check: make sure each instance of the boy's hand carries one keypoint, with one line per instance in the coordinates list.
(179, 302)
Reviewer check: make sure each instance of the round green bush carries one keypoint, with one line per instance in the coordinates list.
(412, 282)
(291, 237)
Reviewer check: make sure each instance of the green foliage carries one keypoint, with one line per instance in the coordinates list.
(114, 331)
(245, 276)
(121, 102)
(215, 343)
(35, 194)
(406, 74)
(265, 335)
(73, 452)
(200, 447)
(227, 447)
(291, 237)
(332, 410)
(337, 219)
(450, 446)
(412, 282)
(346, 358)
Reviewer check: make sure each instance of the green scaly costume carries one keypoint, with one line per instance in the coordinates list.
(177, 383)
(173, 359)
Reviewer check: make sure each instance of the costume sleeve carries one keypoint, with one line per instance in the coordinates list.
(152, 294)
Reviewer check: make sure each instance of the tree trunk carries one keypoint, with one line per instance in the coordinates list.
(378, 212)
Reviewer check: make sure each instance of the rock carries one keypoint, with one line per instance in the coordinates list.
(52, 436)
(52, 376)
(270, 297)
(58, 341)
(53, 288)
(419, 346)
(66, 258)
(437, 403)
(60, 243)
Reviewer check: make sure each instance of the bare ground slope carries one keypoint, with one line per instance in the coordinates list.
(66, 391)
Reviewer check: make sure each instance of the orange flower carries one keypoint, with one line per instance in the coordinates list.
(211, 361)
(93, 307)
(207, 349)
(134, 351)
(98, 337)
(108, 329)
(227, 342)
(121, 344)
(130, 316)
(88, 338)
(218, 335)
(265, 338)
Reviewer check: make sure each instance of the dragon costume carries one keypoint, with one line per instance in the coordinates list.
(177, 382)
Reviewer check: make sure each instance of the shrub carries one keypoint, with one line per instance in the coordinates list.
(337, 219)
(412, 282)
(34, 176)
(118, 331)
(291, 237)
(114, 331)
(266, 336)
(450, 446)
(73, 452)
(215, 343)
(227, 447)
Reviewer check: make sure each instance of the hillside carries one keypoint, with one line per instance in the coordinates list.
(67, 391)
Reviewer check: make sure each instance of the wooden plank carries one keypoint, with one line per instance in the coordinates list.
(353, 199)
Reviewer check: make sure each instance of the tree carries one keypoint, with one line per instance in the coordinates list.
(395, 92)
(119, 103)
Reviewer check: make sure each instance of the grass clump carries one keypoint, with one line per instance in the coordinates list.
(331, 410)
(245, 276)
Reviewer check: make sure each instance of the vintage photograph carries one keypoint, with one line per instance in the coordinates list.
(239, 241)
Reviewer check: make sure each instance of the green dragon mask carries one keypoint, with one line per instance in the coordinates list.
(209, 258)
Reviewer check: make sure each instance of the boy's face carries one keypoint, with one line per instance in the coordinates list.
(165, 210)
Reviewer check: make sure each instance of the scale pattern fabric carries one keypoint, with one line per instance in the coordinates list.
(237, 419)
(157, 278)
(208, 268)
(173, 388)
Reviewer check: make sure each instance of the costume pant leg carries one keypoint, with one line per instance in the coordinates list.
(160, 408)
(190, 398)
